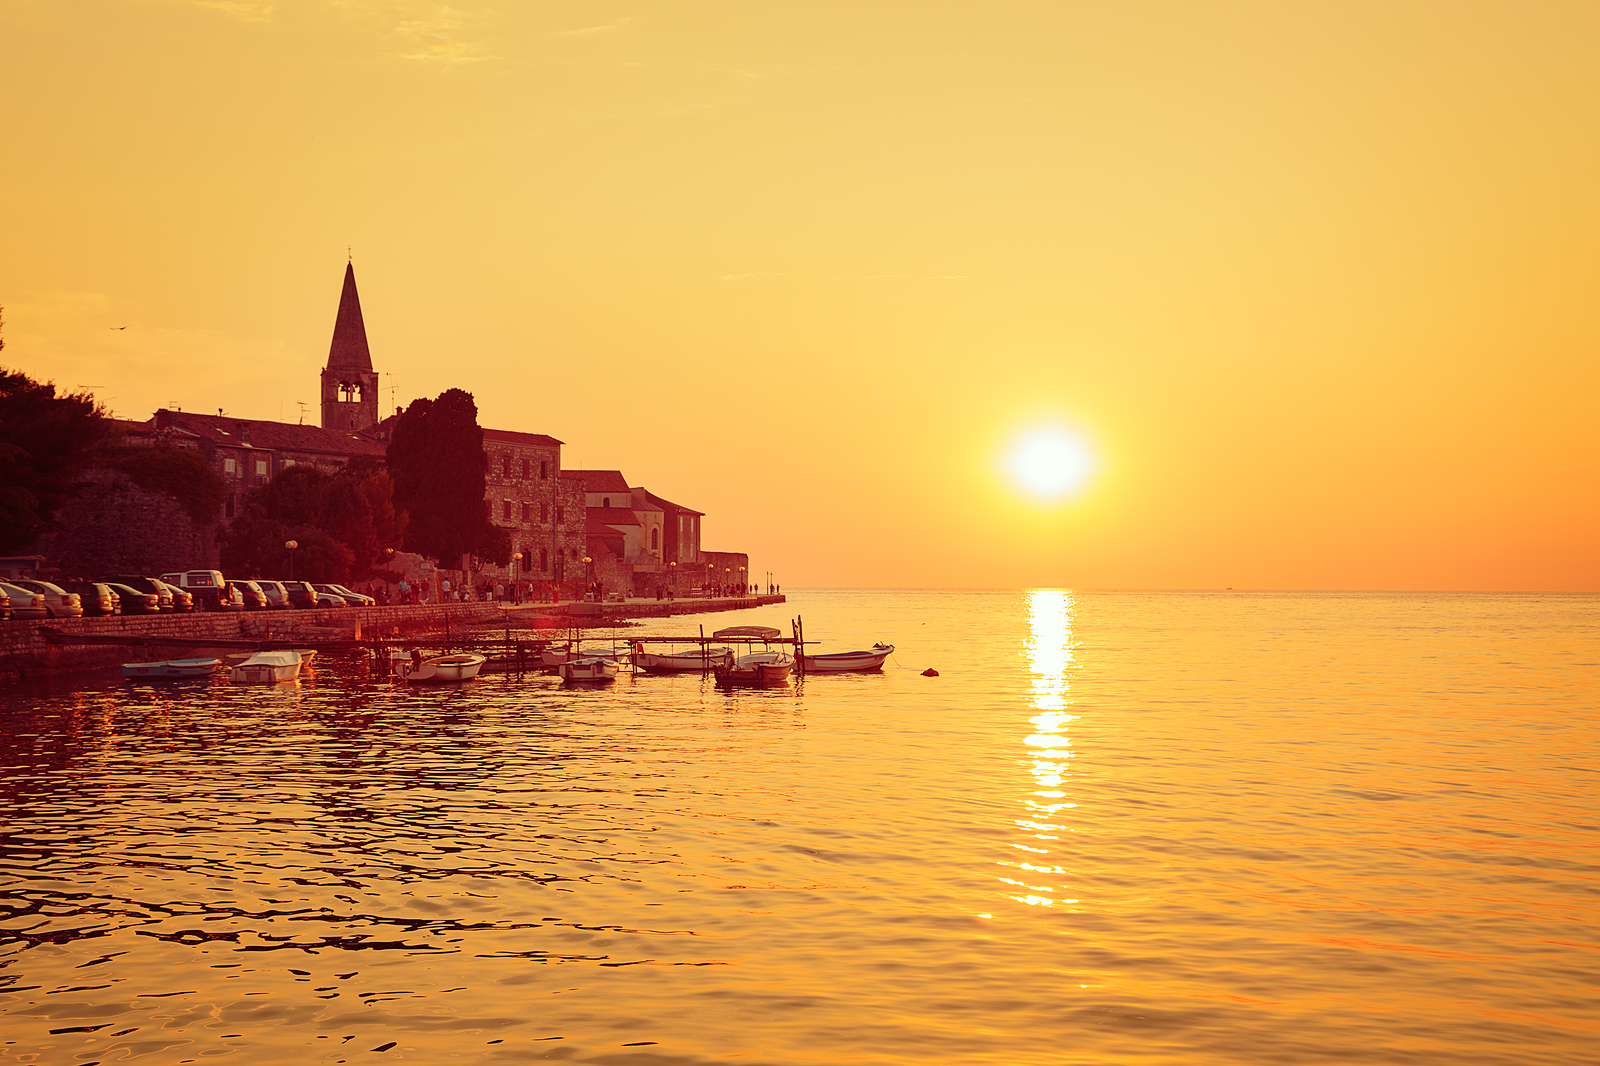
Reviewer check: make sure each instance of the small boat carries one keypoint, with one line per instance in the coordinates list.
(463, 666)
(697, 661)
(588, 670)
(172, 669)
(192, 667)
(553, 657)
(746, 633)
(848, 662)
(266, 668)
(306, 655)
(757, 668)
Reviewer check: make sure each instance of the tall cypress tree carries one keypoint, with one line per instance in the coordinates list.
(436, 459)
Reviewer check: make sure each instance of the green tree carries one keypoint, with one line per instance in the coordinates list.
(437, 461)
(45, 442)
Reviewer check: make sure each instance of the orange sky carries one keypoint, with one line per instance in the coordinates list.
(1317, 281)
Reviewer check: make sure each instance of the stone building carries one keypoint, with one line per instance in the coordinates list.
(349, 384)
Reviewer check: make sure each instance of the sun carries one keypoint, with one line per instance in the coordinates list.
(1048, 463)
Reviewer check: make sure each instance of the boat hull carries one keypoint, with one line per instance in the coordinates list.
(144, 671)
(179, 668)
(444, 669)
(760, 669)
(849, 662)
(592, 670)
(693, 662)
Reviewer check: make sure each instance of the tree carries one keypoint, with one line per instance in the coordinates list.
(45, 442)
(437, 461)
(344, 523)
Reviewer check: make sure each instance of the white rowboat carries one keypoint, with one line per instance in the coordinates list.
(849, 662)
(172, 669)
(682, 662)
(445, 668)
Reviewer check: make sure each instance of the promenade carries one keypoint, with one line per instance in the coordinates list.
(32, 649)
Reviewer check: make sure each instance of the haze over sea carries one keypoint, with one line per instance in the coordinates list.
(1120, 827)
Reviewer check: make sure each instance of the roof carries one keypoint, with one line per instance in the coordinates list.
(511, 436)
(273, 436)
(668, 505)
(601, 480)
(613, 516)
(349, 347)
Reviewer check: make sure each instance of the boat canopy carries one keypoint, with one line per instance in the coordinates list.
(749, 632)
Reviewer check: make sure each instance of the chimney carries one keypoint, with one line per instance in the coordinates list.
(244, 433)
(163, 419)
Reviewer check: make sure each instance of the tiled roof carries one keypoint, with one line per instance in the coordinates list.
(600, 480)
(613, 516)
(274, 436)
(668, 505)
(349, 347)
(511, 436)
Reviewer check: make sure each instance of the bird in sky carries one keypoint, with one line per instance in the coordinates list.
(116, 327)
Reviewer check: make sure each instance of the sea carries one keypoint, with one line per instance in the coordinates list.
(1200, 828)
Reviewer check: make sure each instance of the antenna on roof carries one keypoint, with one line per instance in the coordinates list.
(303, 406)
(390, 376)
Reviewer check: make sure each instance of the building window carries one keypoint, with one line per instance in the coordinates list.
(505, 510)
(655, 539)
(505, 466)
(261, 468)
(544, 512)
(230, 500)
(524, 469)
(561, 514)
(227, 466)
(527, 511)
(544, 470)
(605, 501)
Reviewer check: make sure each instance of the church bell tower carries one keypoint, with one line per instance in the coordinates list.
(349, 384)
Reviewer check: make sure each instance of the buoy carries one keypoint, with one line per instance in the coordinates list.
(930, 672)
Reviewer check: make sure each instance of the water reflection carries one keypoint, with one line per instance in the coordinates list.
(1050, 659)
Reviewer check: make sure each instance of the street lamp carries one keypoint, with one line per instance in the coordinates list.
(588, 573)
(516, 557)
(291, 545)
(743, 586)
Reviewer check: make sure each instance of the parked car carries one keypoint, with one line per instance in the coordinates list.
(57, 600)
(255, 598)
(25, 603)
(277, 595)
(5, 607)
(96, 596)
(354, 599)
(135, 601)
(303, 595)
(160, 589)
(208, 587)
(182, 600)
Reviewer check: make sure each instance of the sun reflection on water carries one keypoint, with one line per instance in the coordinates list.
(1049, 748)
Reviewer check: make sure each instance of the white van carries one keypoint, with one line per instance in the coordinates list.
(209, 588)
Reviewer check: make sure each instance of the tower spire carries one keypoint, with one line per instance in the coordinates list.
(349, 348)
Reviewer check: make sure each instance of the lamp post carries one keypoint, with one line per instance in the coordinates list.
(744, 587)
(672, 575)
(588, 573)
(291, 545)
(516, 557)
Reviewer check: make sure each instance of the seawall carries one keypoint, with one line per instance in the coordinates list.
(30, 648)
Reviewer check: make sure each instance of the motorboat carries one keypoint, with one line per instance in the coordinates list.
(171, 669)
(306, 655)
(848, 662)
(757, 668)
(595, 669)
(267, 667)
(697, 661)
(463, 666)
